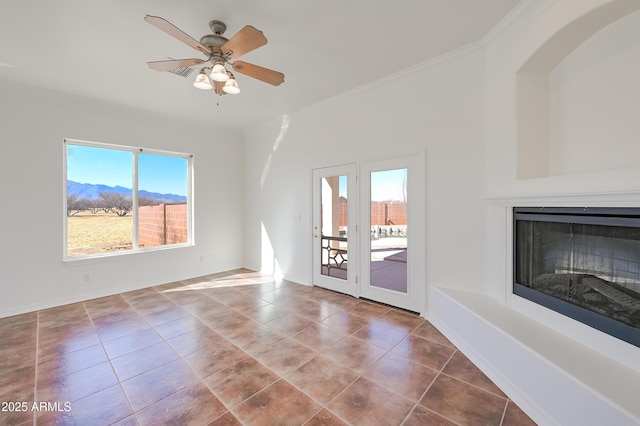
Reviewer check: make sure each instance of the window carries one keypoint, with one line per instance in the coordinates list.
(121, 199)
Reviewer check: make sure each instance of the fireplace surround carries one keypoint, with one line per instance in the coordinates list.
(583, 263)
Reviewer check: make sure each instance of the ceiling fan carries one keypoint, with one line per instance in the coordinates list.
(219, 51)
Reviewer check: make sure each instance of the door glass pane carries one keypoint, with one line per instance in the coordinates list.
(389, 229)
(333, 222)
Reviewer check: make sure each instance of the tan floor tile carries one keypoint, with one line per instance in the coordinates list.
(277, 404)
(157, 384)
(405, 320)
(131, 342)
(424, 351)
(381, 333)
(269, 312)
(463, 403)
(514, 416)
(143, 360)
(421, 416)
(104, 407)
(106, 305)
(368, 310)
(115, 325)
(367, 403)
(66, 314)
(71, 340)
(404, 377)
(290, 324)
(285, 356)
(74, 386)
(325, 418)
(322, 378)
(178, 326)
(344, 322)
(428, 331)
(227, 419)
(199, 338)
(238, 382)
(461, 368)
(257, 339)
(194, 405)
(161, 314)
(319, 337)
(355, 354)
(71, 362)
(211, 359)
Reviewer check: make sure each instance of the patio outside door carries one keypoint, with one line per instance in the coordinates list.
(334, 230)
(388, 210)
(368, 233)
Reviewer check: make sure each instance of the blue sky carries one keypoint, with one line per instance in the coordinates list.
(385, 185)
(157, 173)
(388, 185)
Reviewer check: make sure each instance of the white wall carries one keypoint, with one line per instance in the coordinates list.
(594, 96)
(437, 108)
(33, 124)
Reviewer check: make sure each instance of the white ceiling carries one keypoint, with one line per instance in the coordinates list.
(99, 49)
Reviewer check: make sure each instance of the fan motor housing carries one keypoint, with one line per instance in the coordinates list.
(213, 40)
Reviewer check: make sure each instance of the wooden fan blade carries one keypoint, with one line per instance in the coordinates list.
(171, 65)
(246, 40)
(263, 74)
(176, 32)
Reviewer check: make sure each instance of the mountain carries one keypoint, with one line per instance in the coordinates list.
(91, 191)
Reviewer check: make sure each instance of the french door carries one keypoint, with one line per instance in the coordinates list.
(334, 229)
(368, 235)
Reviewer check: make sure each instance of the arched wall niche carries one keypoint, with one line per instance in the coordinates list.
(536, 158)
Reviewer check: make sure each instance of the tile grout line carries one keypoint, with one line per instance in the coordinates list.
(427, 390)
(95, 330)
(180, 357)
(504, 411)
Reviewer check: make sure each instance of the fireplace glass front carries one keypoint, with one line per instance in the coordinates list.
(583, 263)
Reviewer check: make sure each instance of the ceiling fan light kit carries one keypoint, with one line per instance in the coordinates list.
(202, 81)
(231, 86)
(219, 51)
(219, 73)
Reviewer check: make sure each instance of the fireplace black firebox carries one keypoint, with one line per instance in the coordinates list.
(583, 263)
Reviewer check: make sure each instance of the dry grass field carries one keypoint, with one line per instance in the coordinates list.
(89, 233)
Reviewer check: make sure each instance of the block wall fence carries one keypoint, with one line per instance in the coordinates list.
(162, 224)
(382, 213)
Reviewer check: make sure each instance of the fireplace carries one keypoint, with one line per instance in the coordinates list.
(583, 263)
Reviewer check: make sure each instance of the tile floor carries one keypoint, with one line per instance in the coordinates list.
(238, 348)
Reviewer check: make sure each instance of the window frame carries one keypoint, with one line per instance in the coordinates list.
(135, 151)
